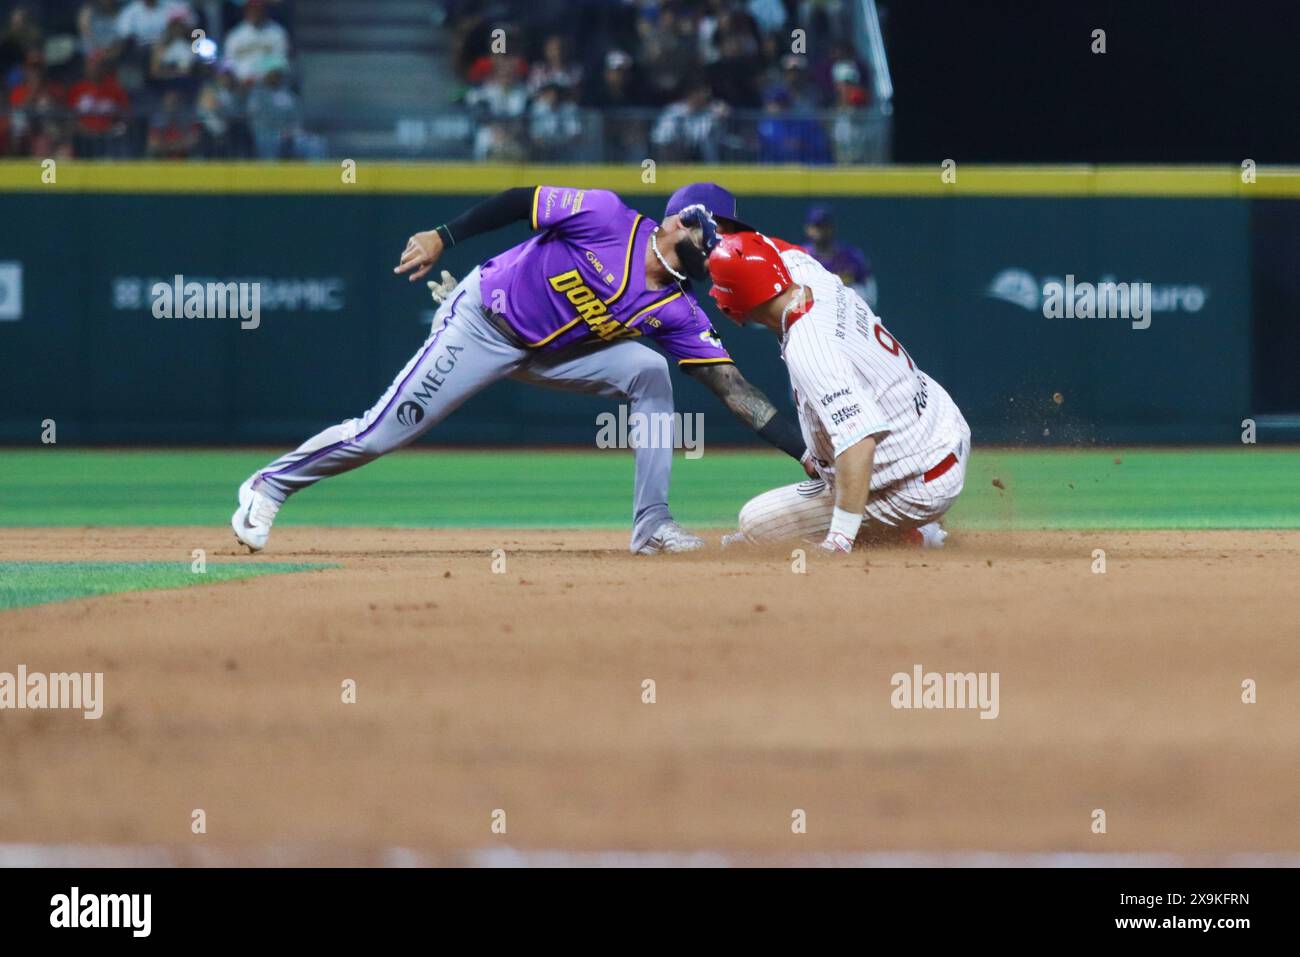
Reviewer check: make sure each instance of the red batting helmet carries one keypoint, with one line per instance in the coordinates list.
(747, 270)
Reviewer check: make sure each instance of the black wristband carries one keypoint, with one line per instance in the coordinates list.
(445, 234)
(509, 206)
(785, 435)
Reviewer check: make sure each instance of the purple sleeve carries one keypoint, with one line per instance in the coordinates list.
(582, 214)
(683, 331)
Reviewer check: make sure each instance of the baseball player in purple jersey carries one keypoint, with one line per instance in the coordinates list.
(564, 309)
(843, 259)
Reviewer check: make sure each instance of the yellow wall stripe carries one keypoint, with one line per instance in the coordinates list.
(25, 176)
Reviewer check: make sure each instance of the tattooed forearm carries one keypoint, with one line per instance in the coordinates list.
(745, 401)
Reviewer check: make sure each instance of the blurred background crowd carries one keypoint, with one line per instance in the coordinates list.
(689, 78)
(157, 78)
(773, 81)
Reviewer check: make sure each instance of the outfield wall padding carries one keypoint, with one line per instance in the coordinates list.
(960, 277)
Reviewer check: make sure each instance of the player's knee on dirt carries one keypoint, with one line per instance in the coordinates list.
(760, 518)
(789, 513)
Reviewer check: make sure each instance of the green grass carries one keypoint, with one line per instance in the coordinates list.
(1246, 487)
(36, 583)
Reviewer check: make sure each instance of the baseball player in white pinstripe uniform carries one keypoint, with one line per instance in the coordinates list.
(887, 444)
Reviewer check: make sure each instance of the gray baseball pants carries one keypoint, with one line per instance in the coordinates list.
(464, 354)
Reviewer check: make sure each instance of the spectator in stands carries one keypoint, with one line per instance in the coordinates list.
(274, 112)
(823, 69)
(556, 68)
(101, 107)
(804, 96)
(849, 126)
(476, 42)
(667, 35)
(847, 261)
(142, 23)
(22, 36)
(735, 73)
(37, 126)
(707, 30)
(34, 82)
(173, 134)
(258, 40)
(788, 137)
(619, 93)
(849, 91)
(222, 116)
(617, 86)
(173, 61)
(554, 126)
(97, 27)
(501, 101)
(502, 95)
(687, 131)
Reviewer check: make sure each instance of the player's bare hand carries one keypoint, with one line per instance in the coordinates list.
(421, 252)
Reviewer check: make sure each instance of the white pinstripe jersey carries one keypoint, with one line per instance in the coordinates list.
(853, 379)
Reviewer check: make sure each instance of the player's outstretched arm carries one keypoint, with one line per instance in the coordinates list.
(748, 403)
(852, 486)
(423, 249)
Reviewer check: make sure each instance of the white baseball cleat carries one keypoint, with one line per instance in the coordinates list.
(253, 519)
(671, 538)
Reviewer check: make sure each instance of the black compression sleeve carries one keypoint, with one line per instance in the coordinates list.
(504, 208)
(783, 433)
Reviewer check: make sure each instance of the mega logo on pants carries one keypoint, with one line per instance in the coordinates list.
(409, 413)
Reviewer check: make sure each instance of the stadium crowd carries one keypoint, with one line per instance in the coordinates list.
(667, 78)
(157, 78)
(773, 81)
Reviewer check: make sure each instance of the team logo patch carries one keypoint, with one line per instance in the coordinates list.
(409, 413)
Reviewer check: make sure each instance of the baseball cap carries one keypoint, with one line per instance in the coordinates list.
(718, 201)
(819, 215)
(617, 60)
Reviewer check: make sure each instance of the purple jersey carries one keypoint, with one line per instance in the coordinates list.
(847, 262)
(584, 279)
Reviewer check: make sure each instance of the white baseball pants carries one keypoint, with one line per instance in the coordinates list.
(803, 511)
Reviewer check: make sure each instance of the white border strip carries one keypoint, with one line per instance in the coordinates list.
(89, 855)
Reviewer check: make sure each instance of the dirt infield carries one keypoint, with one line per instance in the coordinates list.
(523, 692)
